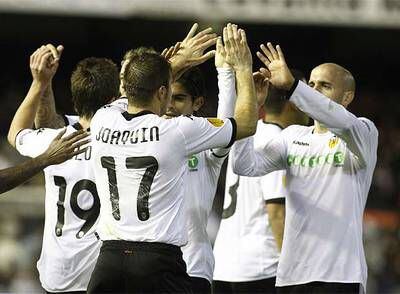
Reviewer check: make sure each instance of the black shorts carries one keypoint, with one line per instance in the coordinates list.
(266, 286)
(139, 267)
(321, 288)
(200, 285)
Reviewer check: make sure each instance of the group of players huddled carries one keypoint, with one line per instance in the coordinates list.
(130, 180)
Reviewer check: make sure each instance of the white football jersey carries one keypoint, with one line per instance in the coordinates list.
(245, 248)
(328, 178)
(201, 185)
(140, 168)
(72, 206)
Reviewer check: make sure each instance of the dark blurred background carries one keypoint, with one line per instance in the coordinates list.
(363, 36)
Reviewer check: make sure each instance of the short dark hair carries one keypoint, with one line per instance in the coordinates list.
(276, 98)
(144, 74)
(137, 51)
(94, 83)
(193, 82)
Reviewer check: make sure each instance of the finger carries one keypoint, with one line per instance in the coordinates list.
(280, 53)
(77, 138)
(164, 52)
(32, 57)
(204, 58)
(265, 72)
(80, 143)
(267, 52)
(60, 134)
(53, 50)
(205, 38)
(230, 34)
(263, 58)
(36, 58)
(176, 48)
(207, 44)
(60, 49)
(204, 32)
(226, 40)
(45, 60)
(192, 31)
(235, 34)
(219, 46)
(76, 152)
(76, 133)
(273, 51)
(243, 36)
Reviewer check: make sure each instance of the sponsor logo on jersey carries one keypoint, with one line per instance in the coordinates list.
(335, 159)
(333, 142)
(193, 162)
(300, 143)
(216, 122)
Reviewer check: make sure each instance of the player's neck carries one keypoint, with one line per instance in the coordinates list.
(84, 122)
(276, 119)
(319, 128)
(133, 109)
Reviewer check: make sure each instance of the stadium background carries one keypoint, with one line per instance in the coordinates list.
(368, 45)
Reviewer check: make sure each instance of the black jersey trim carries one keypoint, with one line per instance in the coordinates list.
(234, 131)
(275, 201)
(291, 90)
(219, 156)
(66, 121)
(130, 116)
(272, 123)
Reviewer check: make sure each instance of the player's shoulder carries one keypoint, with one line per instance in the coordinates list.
(296, 130)
(106, 111)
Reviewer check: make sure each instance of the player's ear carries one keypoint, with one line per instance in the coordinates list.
(347, 98)
(198, 103)
(162, 93)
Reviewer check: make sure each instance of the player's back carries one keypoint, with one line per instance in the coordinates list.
(72, 206)
(140, 164)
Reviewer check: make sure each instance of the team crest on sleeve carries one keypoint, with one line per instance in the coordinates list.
(216, 122)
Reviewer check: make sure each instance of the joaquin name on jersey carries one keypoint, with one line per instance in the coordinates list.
(142, 135)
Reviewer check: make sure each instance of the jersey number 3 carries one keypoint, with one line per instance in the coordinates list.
(151, 166)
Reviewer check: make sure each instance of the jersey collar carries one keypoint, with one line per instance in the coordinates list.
(130, 116)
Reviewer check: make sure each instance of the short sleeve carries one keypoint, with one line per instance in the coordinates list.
(206, 133)
(34, 142)
(273, 185)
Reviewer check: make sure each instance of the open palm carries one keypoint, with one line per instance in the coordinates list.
(274, 60)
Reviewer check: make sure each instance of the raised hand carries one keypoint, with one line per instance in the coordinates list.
(274, 60)
(261, 82)
(62, 149)
(191, 50)
(237, 52)
(44, 63)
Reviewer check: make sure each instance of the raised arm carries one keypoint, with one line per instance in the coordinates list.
(238, 55)
(43, 67)
(360, 134)
(59, 150)
(46, 115)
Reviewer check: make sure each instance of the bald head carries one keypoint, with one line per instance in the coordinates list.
(334, 81)
(341, 74)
